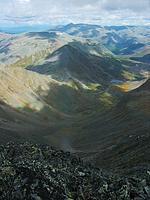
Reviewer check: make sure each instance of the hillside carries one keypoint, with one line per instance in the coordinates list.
(121, 135)
(30, 171)
(64, 113)
(70, 62)
(32, 103)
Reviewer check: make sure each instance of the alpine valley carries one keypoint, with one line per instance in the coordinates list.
(81, 88)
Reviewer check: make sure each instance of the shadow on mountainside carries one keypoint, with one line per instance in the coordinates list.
(75, 61)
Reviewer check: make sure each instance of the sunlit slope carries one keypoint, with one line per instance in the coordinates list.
(18, 88)
(31, 102)
(20, 105)
(30, 91)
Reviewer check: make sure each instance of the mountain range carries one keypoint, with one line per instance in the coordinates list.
(83, 88)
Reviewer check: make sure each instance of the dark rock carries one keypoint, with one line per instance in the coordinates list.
(34, 172)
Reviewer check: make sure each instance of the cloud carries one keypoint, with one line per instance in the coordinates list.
(134, 5)
(65, 11)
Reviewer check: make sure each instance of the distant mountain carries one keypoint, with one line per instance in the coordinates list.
(122, 40)
(32, 49)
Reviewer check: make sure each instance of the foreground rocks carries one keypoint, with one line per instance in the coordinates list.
(34, 172)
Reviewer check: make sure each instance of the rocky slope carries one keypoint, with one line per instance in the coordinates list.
(38, 172)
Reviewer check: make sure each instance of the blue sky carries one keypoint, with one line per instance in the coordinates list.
(104, 12)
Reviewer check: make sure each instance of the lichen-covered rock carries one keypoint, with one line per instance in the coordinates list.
(39, 172)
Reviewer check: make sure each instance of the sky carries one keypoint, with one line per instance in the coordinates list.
(54, 12)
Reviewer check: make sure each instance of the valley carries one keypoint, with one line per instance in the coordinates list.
(82, 88)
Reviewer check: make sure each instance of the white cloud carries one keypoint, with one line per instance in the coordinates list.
(91, 11)
(23, 1)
